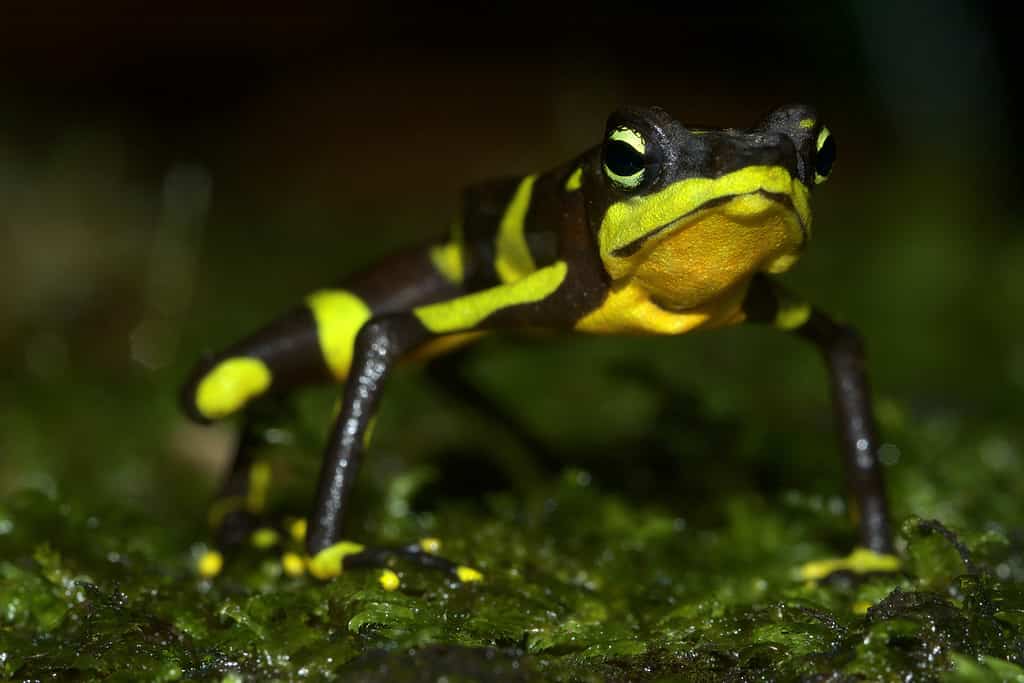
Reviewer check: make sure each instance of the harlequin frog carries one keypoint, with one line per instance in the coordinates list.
(658, 229)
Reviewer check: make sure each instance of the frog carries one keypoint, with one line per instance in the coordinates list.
(658, 229)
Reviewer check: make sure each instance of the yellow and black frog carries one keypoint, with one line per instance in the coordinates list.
(658, 229)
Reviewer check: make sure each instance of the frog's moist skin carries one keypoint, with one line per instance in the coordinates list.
(659, 229)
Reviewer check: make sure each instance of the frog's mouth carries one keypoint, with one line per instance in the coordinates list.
(784, 199)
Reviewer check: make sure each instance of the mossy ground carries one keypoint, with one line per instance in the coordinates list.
(658, 540)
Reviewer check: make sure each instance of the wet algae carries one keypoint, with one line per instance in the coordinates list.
(584, 582)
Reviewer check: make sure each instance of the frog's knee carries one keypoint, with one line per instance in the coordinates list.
(221, 389)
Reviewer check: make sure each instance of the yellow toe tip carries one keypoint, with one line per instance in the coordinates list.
(263, 538)
(329, 562)
(430, 545)
(468, 574)
(298, 530)
(293, 564)
(861, 607)
(389, 580)
(210, 564)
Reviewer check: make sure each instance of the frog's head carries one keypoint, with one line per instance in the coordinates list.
(690, 212)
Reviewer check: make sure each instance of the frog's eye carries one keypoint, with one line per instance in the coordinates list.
(625, 159)
(825, 156)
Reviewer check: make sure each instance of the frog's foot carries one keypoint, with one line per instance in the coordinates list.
(235, 528)
(344, 555)
(860, 562)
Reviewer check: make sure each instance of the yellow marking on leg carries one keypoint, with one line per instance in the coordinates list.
(260, 475)
(791, 314)
(230, 385)
(468, 574)
(264, 538)
(339, 315)
(512, 257)
(807, 123)
(298, 530)
(465, 312)
(430, 545)
(388, 580)
(210, 564)
(574, 181)
(222, 507)
(860, 561)
(292, 564)
(328, 562)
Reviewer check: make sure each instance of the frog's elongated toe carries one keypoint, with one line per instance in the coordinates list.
(344, 555)
(861, 561)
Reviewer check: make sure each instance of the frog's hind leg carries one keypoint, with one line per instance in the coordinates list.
(312, 343)
(250, 378)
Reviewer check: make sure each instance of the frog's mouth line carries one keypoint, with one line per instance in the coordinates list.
(633, 247)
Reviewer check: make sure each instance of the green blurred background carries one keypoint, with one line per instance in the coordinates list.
(169, 182)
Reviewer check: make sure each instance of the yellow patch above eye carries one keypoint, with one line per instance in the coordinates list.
(822, 136)
(631, 137)
(230, 385)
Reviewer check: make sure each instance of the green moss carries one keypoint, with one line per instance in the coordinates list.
(658, 540)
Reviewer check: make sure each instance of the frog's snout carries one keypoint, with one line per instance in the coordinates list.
(777, 149)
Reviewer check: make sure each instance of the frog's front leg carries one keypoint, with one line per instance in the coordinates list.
(379, 346)
(843, 351)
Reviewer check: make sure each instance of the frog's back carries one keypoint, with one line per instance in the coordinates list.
(510, 227)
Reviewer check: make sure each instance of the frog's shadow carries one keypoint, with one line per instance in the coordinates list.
(686, 460)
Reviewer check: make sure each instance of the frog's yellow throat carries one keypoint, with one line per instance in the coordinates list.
(699, 237)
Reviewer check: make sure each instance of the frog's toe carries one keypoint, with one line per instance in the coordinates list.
(236, 530)
(344, 555)
(860, 562)
(210, 564)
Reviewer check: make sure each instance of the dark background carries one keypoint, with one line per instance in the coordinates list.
(170, 180)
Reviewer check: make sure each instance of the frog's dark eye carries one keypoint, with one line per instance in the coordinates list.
(625, 160)
(825, 156)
